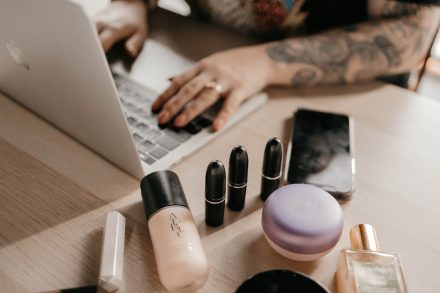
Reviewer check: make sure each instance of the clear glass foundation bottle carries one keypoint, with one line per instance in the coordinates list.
(364, 269)
(181, 261)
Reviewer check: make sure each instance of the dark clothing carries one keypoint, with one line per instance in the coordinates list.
(326, 14)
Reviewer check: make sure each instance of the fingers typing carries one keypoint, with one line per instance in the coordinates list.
(110, 36)
(122, 20)
(204, 100)
(177, 83)
(99, 24)
(231, 104)
(134, 43)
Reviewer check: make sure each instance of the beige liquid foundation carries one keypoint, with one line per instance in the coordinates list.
(180, 259)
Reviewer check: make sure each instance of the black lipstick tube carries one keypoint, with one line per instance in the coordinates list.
(272, 162)
(215, 188)
(237, 178)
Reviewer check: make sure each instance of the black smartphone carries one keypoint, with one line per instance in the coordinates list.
(320, 152)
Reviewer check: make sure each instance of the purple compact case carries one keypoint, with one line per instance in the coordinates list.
(302, 222)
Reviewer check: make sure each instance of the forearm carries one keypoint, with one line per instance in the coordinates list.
(359, 52)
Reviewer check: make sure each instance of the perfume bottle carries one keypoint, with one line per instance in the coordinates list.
(365, 269)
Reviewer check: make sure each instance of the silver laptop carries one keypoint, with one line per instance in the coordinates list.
(51, 62)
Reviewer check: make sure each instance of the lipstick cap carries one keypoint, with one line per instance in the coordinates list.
(215, 181)
(161, 189)
(238, 166)
(273, 156)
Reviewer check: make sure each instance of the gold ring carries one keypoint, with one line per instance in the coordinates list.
(215, 86)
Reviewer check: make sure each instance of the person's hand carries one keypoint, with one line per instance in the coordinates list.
(123, 20)
(234, 75)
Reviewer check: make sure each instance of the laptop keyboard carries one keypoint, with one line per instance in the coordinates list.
(153, 142)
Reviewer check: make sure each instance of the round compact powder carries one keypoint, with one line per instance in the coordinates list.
(302, 222)
(281, 281)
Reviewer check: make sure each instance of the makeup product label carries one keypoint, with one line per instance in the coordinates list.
(179, 232)
(180, 224)
(376, 277)
(175, 225)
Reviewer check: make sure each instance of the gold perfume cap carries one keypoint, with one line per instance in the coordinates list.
(363, 236)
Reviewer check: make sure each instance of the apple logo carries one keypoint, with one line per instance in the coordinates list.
(17, 54)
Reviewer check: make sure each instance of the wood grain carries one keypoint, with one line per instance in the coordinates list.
(55, 193)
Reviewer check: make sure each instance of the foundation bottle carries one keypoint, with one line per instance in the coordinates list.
(364, 268)
(180, 258)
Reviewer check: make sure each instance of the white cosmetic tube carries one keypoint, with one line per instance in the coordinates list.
(112, 258)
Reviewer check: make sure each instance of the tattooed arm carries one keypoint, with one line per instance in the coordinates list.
(395, 40)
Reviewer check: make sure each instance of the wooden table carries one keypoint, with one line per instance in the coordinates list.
(55, 193)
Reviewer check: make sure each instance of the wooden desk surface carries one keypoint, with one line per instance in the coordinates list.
(54, 194)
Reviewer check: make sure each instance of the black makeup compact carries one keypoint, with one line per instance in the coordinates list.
(281, 281)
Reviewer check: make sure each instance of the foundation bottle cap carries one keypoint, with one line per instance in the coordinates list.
(161, 189)
(363, 236)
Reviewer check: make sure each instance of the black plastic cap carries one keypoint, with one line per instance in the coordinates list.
(161, 189)
(86, 289)
(238, 166)
(273, 156)
(215, 181)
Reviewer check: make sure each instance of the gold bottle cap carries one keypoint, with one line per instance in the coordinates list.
(363, 236)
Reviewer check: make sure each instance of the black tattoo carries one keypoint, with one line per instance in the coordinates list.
(304, 76)
(392, 9)
(389, 50)
(332, 58)
(356, 52)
